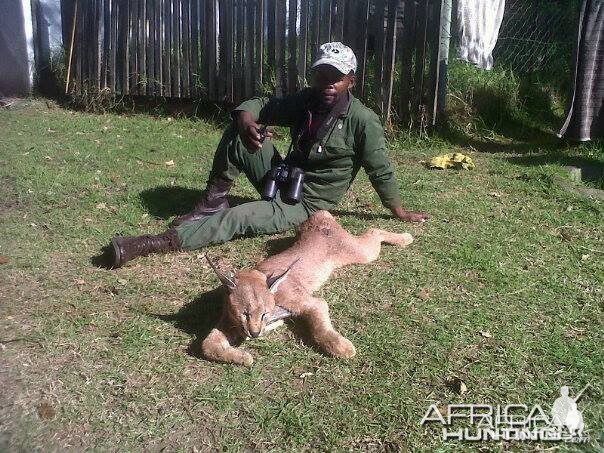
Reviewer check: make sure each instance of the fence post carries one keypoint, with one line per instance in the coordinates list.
(389, 61)
(292, 67)
(443, 61)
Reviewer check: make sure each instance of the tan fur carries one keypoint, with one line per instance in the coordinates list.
(322, 245)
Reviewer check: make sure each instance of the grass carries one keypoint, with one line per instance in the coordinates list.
(502, 289)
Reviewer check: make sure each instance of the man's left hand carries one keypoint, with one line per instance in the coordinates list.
(409, 216)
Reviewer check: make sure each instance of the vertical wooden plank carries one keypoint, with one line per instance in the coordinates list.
(389, 60)
(238, 50)
(211, 48)
(315, 28)
(186, 46)
(142, 47)
(434, 44)
(292, 67)
(167, 49)
(249, 48)
(338, 14)
(176, 50)
(420, 57)
(106, 5)
(205, 11)
(380, 6)
(259, 46)
(91, 40)
(132, 61)
(303, 43)
(150, 47)
(321, 21)
(124, 29)
(77, 52)
(327, 21)
(221, 79)
(280, 40)
(83, 13)
(226, 19)
(194, 72)
(159, 48)
(362, 21)
(230, 50)
(352, 29)
(407, 38)
(270, 32)
(113, 75)
(99, 44)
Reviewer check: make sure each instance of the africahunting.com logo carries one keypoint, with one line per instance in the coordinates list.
(511, 422)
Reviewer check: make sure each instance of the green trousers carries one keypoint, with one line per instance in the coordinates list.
(256, 217)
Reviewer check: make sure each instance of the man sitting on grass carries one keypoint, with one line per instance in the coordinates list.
(333, 135)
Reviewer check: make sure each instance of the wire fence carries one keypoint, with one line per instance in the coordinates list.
(537, 35)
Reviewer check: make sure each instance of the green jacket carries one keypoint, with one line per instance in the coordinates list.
(354, 139)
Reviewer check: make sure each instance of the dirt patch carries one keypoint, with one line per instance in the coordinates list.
(9, 196)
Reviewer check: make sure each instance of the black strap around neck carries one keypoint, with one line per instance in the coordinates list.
(337, 110)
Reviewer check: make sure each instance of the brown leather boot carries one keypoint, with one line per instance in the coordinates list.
(212, 201)
(127, 248)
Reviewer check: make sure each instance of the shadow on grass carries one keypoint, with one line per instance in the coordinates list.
(525, 139)
(275, 246)
(561, 159)
(198, 318)
(166, 201)
(104, 259)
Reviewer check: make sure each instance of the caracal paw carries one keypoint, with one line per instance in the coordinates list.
(403, 239)
(245, 359)
(336, 345)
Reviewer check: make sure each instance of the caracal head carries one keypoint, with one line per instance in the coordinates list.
(250, 298)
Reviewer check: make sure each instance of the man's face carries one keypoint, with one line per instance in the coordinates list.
(330, 84)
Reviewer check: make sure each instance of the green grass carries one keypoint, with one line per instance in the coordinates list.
(108, 360)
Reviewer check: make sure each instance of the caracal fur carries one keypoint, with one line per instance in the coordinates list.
(283, 285)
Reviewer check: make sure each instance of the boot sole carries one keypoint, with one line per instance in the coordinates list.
(117, 255)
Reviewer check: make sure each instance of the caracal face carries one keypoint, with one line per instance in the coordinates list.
(250, 303)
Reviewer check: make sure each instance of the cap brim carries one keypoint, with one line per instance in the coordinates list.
(329, 62)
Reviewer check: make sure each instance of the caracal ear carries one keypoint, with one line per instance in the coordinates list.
(226, 280)
(274, 281)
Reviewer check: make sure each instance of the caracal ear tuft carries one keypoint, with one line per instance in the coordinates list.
(273, 282)
(227, 280)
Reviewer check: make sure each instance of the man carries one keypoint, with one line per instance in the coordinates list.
(333, 135)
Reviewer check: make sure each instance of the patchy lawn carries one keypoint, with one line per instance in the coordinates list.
(502, 290)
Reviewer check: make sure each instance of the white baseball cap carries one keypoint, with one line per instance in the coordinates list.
(337, 55)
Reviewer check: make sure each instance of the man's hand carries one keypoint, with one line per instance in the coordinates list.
(409, 216)
(249, 131)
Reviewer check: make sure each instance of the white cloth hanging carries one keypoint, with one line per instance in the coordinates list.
(478, 26)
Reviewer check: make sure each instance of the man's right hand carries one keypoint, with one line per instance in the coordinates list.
(249, 131)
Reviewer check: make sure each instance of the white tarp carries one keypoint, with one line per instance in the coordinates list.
(479, 22)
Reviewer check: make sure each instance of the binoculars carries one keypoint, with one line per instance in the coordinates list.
(288, 179)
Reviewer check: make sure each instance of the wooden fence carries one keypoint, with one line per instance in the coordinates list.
(230, 50)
